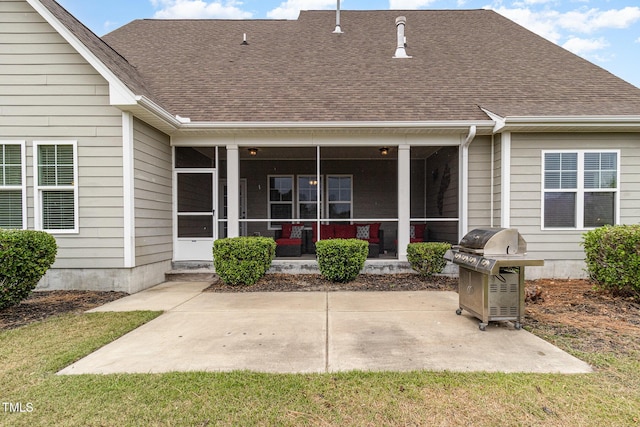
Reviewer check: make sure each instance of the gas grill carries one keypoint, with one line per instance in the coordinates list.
(491, 279)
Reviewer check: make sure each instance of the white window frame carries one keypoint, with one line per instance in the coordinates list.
(580, 190)
(329, 202)
(23, 172)
(38, 189)
(271, 226)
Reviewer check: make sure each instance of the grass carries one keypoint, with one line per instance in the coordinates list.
(31, 355)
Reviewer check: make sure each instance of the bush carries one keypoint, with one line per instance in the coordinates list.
(340, 260)
(25, 256)
(613, 258)
(427, 258)
(243, 260)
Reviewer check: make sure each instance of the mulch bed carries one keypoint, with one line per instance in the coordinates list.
(364, 282)
(42, 304)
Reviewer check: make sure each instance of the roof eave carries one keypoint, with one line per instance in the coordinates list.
(603, 123)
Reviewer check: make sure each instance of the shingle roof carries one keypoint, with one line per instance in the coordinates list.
(300, 71)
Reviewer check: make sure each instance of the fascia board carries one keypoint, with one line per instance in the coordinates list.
(119, 93)
(444, 125)
(586, 123)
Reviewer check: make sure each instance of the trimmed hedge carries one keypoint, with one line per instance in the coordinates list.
(613, 258)
(427, 258)
(25, 256)
(243, 260)
(340, 260)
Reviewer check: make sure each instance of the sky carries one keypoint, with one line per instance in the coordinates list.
(605, 32)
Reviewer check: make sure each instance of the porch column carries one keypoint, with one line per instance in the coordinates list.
(233, 191)
(404, 200)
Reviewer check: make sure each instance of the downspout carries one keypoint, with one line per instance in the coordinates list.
(464, 188)
(491, 194)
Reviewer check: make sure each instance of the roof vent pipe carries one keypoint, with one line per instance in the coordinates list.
(401, 21)
(338, 30)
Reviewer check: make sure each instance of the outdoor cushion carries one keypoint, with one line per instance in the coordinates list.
(419, 230)
(287, 242)
(287, 228)
(327, 231)
(345, 231)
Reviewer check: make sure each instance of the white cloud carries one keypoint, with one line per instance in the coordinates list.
(199, 9)
(589, 21)
(543, 23)
(290, 9)
(581, 46)
(409, 4)
(552, 24)
(638, 40)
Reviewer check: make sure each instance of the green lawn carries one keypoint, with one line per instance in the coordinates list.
(30, 357)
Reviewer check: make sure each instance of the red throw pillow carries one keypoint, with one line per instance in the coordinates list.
(327, 231)
(420, 231)
(345, 231)
(286, 231)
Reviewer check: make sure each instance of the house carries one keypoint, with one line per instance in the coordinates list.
(138, 149)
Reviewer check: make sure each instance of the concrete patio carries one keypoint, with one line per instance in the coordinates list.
(302, 332)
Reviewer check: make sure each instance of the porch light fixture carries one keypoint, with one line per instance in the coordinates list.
(253, 151)
(384, 151)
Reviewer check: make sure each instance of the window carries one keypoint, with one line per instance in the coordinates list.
(12, 188)
(280, 198)
(56, 196)
(339, 196)
(307, 197)
(580, 189)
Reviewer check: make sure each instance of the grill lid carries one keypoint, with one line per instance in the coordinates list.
(494, 241)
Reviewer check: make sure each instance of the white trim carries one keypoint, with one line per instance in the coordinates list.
(118, 91)
(505, 183)
(128, 190)
(233, 191)
(461, 125)
(580, 189)
(37, 200)
(404, 200)
(23, 178)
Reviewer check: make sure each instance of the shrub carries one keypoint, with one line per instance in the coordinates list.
(340, 260)
(243, 260)
(25, 256)
(613, 258)
(427, 258)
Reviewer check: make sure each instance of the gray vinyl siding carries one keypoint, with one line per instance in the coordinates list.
(497, 181)
(526, 190)
(153, 195)
(480, 183)
(49, 92)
